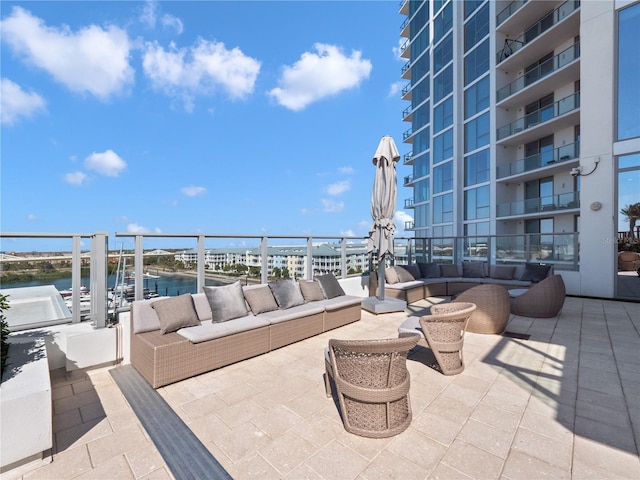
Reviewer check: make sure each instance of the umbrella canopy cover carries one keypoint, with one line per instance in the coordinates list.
(383, 198)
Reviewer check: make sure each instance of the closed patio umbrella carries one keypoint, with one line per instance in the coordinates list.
(383, 205)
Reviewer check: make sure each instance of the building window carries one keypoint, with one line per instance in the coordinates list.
(476, 229)
(476, 62)
(421, 117)
(476, 133)
(476, 97)
(421, 92)
(476, 203)
(420, 68)
(421, 215)
(443, 22)
(476, 168)
(421, 141)
(443, 115)
(443, 177)
(443, 84)
(628, 72)
(476, 28)
(443, 146)
(420, 43)
(421, 191)
(443, 53)
(443, 208)
(421, 166)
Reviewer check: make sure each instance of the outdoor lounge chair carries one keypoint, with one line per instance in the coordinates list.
(492, 308)
(442, 332)
(628, 261)
(542, 300)
(372, 384)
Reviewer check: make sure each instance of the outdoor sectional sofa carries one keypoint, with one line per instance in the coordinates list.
(173, 338)
(416, 282)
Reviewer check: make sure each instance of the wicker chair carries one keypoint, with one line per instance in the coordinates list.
(372, 384)
(492, 308)
(628, 261)
(542, 300)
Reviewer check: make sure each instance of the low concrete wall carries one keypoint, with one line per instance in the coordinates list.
(26, 427)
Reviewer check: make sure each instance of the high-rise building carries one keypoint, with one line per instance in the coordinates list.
(525, 119)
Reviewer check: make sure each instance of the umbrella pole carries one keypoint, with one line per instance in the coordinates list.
(381, 263)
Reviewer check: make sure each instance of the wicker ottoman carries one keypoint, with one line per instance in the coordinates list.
(492, 308)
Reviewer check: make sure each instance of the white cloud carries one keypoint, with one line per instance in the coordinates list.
(347, 233)
(305, 211)
(193, 191)
(347, 170)
(331, 206)
(395, 88)
(107, 163)
(32, 217)
(92, 60)
(339, 187)
(15, 103)
(135, 228)
(174, 23)
(75, 178)
(397, 51)
(400, 218)
(199, 70)
(319, 75)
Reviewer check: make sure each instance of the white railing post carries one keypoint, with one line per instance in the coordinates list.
(76, 279)
(264, 260)
(99, 255)
(200, 266)
(139, 268)
(343, 256)
(309, 272)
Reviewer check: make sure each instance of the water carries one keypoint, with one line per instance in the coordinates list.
(165, 285)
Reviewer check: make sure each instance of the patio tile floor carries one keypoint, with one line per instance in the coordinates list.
(563, 404)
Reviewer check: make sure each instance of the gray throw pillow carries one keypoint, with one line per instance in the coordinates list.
(260, 298)
(414, 270)
(503, 272)
(429, 270)
(330, 286)
(287, 293)
(449, 270)
(472, 269)
(311, 290)
(175, 313)
(227, 302)
(391, 275)
(404, 275)
(535, 272)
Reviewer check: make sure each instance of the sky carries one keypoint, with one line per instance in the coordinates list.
(210, 117)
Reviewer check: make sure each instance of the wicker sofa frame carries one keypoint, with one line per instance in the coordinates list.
(422, 288)
(167, 358)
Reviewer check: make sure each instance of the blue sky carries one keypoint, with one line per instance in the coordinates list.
(197, 117)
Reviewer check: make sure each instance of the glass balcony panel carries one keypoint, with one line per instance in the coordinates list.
(510, 9)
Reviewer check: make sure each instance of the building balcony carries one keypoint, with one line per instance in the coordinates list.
(407, 114)
(405, 71)
(559, 70)
(562, 154)
(406, 92)
(409, 226)
(544, 121)
(518, 52)
(408, 180)
(405, 28)
(542, 205)
(408, 158)
(408, 202)
(407, 134)
(405, 51)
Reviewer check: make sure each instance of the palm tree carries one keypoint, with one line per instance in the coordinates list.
(632, 212)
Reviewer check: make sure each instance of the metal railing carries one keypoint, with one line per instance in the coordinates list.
(561, 154)
(509, 10)
(544, 114)
(545, 23)
(549, 204)
(545, 68)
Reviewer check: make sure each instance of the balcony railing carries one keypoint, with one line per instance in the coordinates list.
(533, 162)
(406, 112)
(509, 10)
(558, 249)
(405, 67)
(561, 107)
(407, 134)
(550, 204)
(407, 157)
(406, 89)
(545, 68)
(408, 180)
(408, 202)
(545, 23)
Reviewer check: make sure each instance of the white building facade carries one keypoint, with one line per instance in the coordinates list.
(525, 121)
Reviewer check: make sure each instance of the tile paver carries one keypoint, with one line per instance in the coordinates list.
(563, 404)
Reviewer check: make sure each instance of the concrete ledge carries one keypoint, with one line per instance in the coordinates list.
(25, 403)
